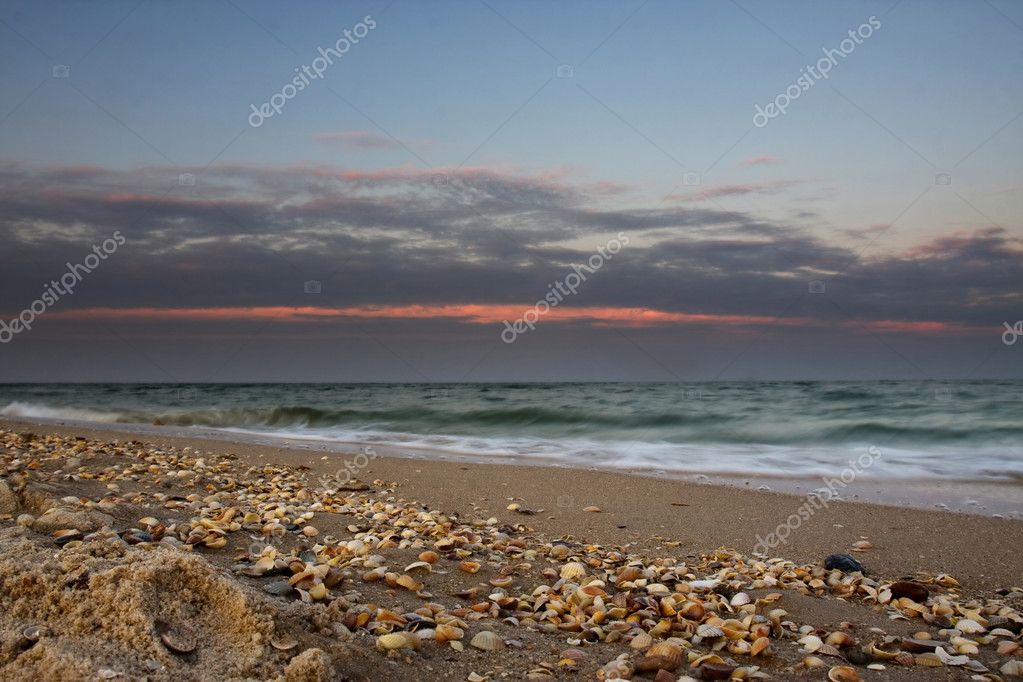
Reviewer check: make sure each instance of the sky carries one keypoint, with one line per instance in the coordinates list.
(487, 190)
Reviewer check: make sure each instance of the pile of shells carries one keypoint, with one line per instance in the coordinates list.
(716, 616)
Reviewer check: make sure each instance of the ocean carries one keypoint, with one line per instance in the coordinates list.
(920, 430)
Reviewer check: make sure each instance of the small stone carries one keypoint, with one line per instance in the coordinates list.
(843, 562)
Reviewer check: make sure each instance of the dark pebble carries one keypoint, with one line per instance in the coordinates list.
(843, 562)
(909, 590)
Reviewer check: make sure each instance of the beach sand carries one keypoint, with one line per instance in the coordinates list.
(103, 604)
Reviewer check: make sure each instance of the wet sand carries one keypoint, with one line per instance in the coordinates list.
(982, 552)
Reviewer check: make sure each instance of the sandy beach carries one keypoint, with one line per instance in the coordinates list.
(205, 528)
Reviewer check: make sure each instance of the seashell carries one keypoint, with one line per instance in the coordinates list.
(448, 633)
(929, 659)
(318, 591)
(811, 643)
(905, 589)
(760, 645)
(919, 646)
(175, 640)
(1006, 648)
(487, 641)
(419, 566)
(652, 663)
(904, 658)
(693, 610)
(572, 654)
(840, 639)
(629, 574)
(573, 570)
(670, 652)
(642, 640)
(409, 583)
(1012, 668)
(397, 640)
(618, 669)
(502, 581)
(716, 671)
(813, 662)
(708, 631)
(283, 643)
(862, 546)
(969, 626)
(429, 556)
(843, 673)
(592, 509)
(740, 599)
(33, 632)
(469, 566)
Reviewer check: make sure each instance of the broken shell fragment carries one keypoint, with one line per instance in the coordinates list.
(397, 640)
(843, 673)
(177, 641)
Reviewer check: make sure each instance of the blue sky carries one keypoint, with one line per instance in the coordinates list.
(658, 90)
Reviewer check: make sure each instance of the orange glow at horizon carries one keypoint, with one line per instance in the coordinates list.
(604, 316)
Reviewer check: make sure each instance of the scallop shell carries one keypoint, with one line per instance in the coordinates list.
(487, 641)
(969, 626)
(469, 566)
(707, 631)
(669, 651)
(1013, 668)
(573, 570)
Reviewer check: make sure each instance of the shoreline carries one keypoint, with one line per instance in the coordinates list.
(980, 497)
(639, 509)
(170, 558)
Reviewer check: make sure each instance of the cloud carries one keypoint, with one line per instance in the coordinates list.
(740, 189)
(246, 237)
(761, 161)
(361, 139)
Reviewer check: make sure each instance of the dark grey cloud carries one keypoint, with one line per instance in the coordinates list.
(248, 236)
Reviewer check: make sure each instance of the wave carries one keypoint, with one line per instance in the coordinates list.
(696, 426)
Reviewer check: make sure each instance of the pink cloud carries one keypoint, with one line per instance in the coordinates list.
(761, 161)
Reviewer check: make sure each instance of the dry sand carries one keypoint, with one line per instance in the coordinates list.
(102, 604)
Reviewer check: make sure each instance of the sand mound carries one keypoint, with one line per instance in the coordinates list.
(103, 606)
